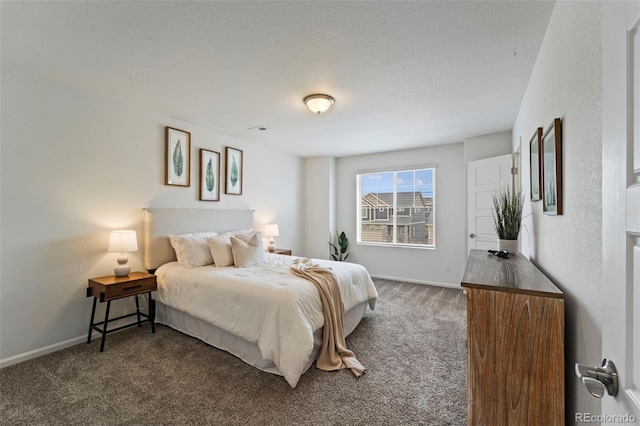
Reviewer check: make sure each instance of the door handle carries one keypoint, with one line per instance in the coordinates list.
(599, 379)
(472, 235)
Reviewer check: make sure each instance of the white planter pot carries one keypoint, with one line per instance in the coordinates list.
(509, 245)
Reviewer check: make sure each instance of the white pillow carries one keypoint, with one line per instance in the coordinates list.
(247, 250)
(220, 249)
(220, 246)
(192, 250)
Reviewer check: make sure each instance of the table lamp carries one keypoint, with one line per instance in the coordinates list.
(271, 231)
(122, 242)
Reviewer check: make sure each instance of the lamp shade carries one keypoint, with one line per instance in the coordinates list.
(123, 241)
(318, 103)
(271, 230)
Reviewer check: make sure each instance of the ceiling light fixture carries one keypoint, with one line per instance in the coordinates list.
(319, 103)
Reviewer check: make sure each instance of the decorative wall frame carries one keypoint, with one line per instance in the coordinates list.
(209, 175)
(233, 171)
(177, 170)
(552, 169)
(535, 177)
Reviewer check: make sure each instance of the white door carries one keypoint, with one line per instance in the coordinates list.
(621, 205)
(484, 177)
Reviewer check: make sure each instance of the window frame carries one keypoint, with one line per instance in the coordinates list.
(393, 208)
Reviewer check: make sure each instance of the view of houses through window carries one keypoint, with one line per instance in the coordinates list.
(397, 207)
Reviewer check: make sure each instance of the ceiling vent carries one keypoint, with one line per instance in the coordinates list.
(258, 129)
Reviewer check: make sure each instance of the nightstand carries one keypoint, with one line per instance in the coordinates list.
(284, 252)
(110, 288)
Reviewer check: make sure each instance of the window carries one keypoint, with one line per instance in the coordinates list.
(382, 213)
(397, 208)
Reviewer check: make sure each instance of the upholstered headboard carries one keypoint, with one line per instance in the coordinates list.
(160, 223)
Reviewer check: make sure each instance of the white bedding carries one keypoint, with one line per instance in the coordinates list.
(264, 304)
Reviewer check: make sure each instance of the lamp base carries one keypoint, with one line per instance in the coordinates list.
(122, 270)
(272, 244)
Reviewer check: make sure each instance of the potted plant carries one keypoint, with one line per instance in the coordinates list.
(508, 205)
(339, 250)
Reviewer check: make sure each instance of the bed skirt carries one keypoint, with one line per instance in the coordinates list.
(241, 348)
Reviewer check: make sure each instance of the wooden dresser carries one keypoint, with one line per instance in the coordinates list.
(515, 343)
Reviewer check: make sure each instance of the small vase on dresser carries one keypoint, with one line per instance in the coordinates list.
(509, 245)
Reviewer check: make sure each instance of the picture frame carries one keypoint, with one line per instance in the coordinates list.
(233, 171)
(552, 169)
(209, 175)
(535, 177)
(177, 170)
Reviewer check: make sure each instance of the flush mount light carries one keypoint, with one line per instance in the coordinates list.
(319, 103)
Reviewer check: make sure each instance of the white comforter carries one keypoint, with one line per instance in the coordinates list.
(264, 304)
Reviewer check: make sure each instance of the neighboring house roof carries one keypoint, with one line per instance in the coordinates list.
(404, 199)
(374, 201)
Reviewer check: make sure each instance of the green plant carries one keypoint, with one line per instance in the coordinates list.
(178, 160)
(210, 180)
(507, 204)
(339, 250)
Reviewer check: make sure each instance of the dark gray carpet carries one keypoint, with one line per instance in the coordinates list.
(413, 346)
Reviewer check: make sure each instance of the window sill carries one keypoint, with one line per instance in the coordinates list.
(410, 246)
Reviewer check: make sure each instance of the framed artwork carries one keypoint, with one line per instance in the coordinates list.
(535, 177)
(233, 171)
(209, 175)
(177, 157)
(552, 169)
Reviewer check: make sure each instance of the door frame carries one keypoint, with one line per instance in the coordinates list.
(620, 187)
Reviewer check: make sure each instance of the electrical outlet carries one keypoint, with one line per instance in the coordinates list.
(447, 267)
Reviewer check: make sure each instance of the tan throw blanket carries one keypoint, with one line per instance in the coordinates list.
(334, 354)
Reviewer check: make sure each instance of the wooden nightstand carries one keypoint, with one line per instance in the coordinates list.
(110, 288)
(284, 252)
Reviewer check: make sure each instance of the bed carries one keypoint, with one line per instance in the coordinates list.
(262, 313)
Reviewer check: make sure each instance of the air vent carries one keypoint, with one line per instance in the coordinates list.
(258, 129)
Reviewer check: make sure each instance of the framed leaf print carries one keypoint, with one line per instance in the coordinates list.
(178, 157)
(535, 146)
(233, 171)
(209, 175)
(552, 169)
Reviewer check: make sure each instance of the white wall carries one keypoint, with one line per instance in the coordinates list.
(74, 167)
(487, 146)
(416, 265)
(319, 208)
(566, 83)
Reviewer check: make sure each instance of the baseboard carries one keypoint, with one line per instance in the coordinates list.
(5, 362)
(408, 280)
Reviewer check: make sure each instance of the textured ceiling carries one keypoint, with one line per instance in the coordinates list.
(403, 74)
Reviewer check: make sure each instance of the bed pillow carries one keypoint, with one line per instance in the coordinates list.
(192, 249)
(220, 249)
(247, 250)
(220, 246)
(247, 236)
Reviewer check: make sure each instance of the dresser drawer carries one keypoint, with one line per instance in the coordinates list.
(128, 288)
(109, 288)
